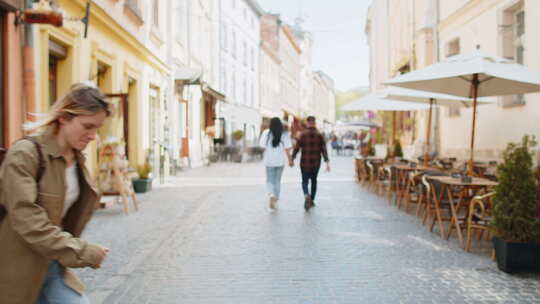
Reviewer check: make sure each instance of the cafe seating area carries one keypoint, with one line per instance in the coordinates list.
(445, 198)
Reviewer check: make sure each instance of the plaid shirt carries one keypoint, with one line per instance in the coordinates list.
(313, 145)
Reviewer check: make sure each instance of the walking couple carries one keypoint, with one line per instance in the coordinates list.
(278, 146)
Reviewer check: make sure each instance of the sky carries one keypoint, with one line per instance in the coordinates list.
(340, 45)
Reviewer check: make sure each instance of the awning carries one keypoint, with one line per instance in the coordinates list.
(206, 88)
(11, 5)
(189, 75)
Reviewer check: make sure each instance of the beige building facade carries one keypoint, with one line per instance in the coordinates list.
(409, 35)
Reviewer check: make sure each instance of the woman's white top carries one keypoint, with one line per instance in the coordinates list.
(72, 187)
(275, 156)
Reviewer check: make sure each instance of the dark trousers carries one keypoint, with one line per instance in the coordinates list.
(306, 176)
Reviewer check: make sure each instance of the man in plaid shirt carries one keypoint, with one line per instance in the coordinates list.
(313, 145)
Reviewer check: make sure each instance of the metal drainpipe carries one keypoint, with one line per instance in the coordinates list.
(29, 85)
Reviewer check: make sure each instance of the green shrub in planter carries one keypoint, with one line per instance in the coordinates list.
(237, 135)
(144, 182)
(514, 213)
(142, 185)
(398, 151)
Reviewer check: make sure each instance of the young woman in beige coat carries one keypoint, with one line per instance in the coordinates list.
(40, 232)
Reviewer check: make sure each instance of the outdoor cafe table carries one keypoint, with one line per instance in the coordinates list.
(448, 183)
(402, 172)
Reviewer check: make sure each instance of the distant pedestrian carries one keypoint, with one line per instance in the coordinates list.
(46, 200)
(313, 146)
(277, 145)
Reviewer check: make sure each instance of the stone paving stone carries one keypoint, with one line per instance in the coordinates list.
(207, 237)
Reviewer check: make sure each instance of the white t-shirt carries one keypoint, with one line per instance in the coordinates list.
(72, 187)
(275, 156)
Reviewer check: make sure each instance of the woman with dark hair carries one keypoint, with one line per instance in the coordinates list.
(277, 144)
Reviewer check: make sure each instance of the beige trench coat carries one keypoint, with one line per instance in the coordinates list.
(32, 235)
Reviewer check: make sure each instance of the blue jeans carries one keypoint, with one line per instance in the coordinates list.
(306, 176)
(55, 291)
(273, 180)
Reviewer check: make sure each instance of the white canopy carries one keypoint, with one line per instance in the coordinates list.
(409, 95)
(377, 102)
(472, 75)
(497, 76)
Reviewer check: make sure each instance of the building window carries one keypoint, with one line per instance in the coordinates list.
(511, 32)
(53, 79)
(233, 85)
(252, 94)
(454, 112)
(245, 53)
(224, 36)
(57, 53)
(252, 59)
(452, 48)
(225, 88)
(233, 47)
(156, 13)
(244, 93)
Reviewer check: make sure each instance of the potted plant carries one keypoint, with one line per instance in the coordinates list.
(515, 224)
(236, 155)
(144, 182)
(237, 135)
(370, 149)
(398, 151)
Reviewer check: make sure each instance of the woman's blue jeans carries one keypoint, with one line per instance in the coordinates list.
(55, 291)
(273, 180)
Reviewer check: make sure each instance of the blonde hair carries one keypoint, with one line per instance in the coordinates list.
(82, 99)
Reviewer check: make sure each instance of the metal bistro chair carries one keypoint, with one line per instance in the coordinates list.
(384, 180)
(371, 169)
(479, 217)
(414, 193)
(438, 201)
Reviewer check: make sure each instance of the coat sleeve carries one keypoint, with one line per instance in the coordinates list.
(323, 149)
(29, 220)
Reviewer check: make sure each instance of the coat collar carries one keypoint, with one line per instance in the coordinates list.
(51, 146)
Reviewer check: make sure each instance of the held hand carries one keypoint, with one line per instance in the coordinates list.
(327, 167)
(291, 163)
(103, 254)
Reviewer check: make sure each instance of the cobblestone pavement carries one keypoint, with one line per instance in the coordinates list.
(207, 237)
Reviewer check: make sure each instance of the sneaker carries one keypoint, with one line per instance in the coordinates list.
(308, 203)
(273, 201)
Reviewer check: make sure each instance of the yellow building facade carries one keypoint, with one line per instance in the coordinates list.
(123, 54)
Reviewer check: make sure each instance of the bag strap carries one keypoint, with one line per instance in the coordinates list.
(39, 173)
(41, 166)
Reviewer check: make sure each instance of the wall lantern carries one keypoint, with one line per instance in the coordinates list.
(53, 17)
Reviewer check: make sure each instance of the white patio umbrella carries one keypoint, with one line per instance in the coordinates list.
(433, 99)
(472, 75)
(378, 102)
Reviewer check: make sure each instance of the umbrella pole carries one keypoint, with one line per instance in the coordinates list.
(428, 133)
(393, 150)
(474, 84)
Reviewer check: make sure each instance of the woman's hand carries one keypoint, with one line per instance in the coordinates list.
(94, 255)
(104, 252)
